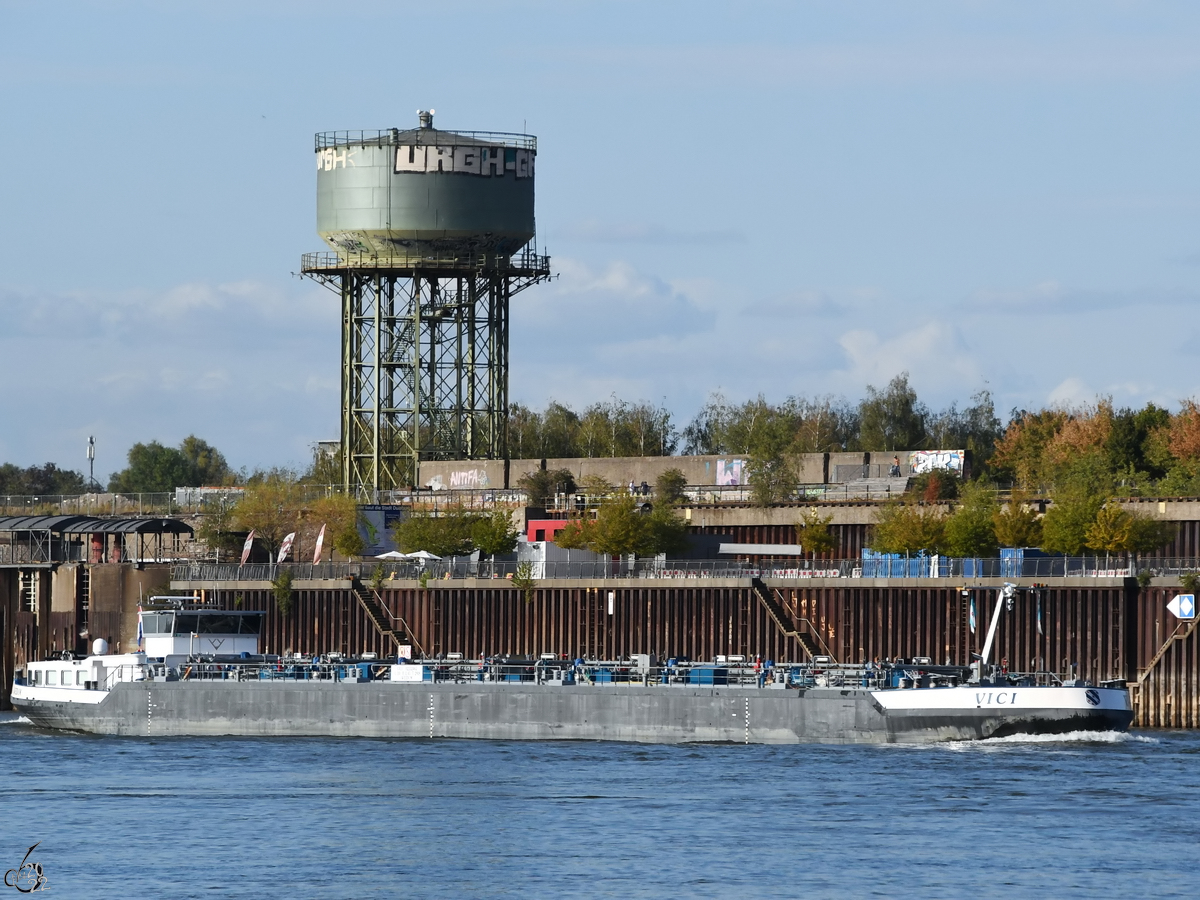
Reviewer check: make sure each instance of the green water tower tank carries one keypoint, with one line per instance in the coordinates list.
(424, 193)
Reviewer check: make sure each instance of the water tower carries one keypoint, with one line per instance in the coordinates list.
(432, 233)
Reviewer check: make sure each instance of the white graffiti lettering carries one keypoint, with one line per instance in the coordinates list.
(469, 160)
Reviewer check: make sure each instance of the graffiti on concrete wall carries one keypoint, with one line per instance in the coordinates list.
(730, 471)
(464, 479)
(928, 460)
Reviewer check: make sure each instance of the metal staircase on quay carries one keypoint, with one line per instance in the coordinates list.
(391, 628)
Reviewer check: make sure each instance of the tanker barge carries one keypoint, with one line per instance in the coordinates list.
(200, 674)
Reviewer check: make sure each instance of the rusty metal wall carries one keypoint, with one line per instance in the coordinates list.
(1167, 685)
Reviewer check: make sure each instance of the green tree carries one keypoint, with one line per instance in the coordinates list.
(971, 529)
(340, 516)
(814, 534)
(976, 428)
(623, 526)
(46, 479)
(542, 484)
(909, 528)
(494, 533)
(152, 467)
(205, 463)
(444, 532)
(218, 531)
(272, 507)
(1017, 524)
(669, 487)
(1066, 523)
(1117, 530)
(155, 468)
(892, 419)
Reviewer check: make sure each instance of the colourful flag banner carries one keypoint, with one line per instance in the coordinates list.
(972, 619)
(1039, 611)
(320, 546)
(246, 548)
(286, 546)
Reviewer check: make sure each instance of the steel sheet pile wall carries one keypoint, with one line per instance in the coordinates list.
(1167, 689)
(1082, 630)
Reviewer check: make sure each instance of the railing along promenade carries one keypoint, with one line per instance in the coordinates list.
(624, 569)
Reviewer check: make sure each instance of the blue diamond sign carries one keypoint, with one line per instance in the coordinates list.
(1183, 606)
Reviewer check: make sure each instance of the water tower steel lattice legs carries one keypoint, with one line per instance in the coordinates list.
(432, 233)
(424, 363)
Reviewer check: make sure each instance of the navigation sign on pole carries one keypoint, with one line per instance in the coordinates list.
(1183, 606)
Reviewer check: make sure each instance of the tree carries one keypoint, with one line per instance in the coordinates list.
(824, 425)
(494, 533)
(772, 479)
(1117, 530)
(445, 532)
(1065, 525)
(623, 526)
(669, 487)
(340, 516)
(705, 434)
(152, 467)
(813, 533)
(46, 479)
(155, 468)
(909, 528)
(935, 485)
(892, 419)
(971, 529)
(218, 531)
(272, 507)
(1020, 453)
(205, 463)
(542, 484)
(1017, 524)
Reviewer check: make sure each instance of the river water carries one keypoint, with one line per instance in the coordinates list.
(1090, 816)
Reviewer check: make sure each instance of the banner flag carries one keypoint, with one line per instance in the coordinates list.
(320, 546)
(286, 546)
(246, 548)
(1039, 611)
(972, 619)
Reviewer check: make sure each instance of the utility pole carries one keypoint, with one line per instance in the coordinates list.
(91, 455)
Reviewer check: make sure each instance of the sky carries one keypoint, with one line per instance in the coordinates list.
(799, 198)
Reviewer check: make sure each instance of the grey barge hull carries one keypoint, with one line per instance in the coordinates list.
(542, 712)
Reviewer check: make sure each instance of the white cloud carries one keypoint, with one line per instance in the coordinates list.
(1072, 391)
(932, 353)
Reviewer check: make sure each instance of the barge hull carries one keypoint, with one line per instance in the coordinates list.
(507, 712)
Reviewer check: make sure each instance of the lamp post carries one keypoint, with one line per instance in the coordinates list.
(91, 455)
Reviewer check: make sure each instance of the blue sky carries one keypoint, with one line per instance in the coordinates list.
(785, 198)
